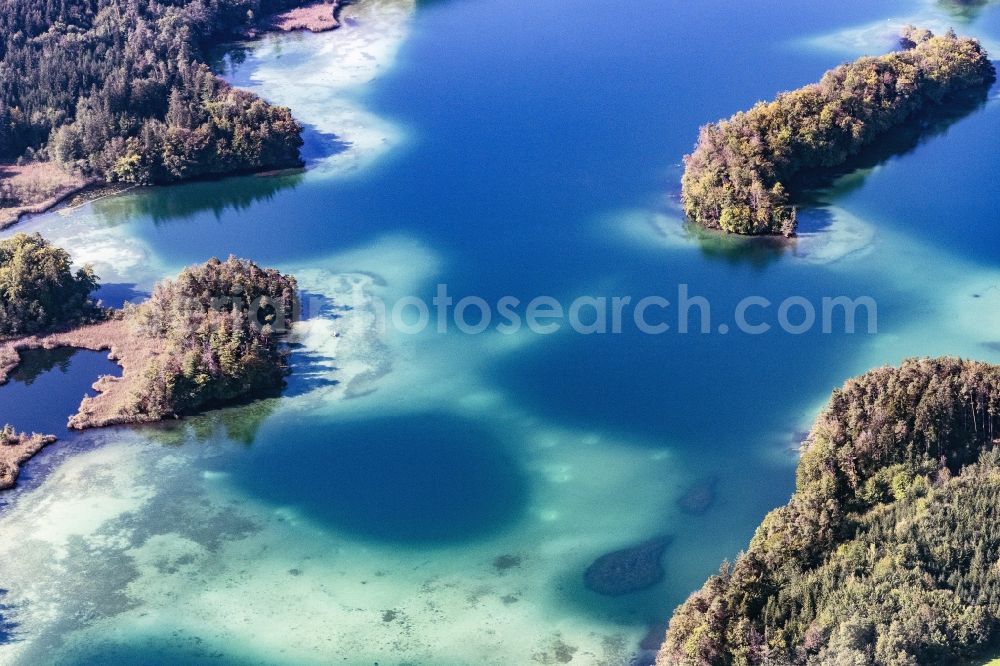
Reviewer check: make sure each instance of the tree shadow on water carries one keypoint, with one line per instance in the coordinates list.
(814, 220)
(818, 186)
(314, 304)
(180, 201)
(814, 188)
(964, 10)
(36, 362)
(318, 145)
(8, 627)
(116, 294)
(310, 370)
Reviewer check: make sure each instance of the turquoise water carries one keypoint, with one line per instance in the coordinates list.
(501, 149)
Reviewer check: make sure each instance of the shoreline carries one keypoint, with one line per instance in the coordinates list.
(123, 347)
(96, 189)
(16, 215)
(315, 17)
(17, 449)
(321, 16)
(367, 136)
(25, 183)
(323, 79)
(181, 352)
(113, 403)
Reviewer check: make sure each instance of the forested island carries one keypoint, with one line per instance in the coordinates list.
(119, 91)
(737, 178)
(887, 552)
(209, 337)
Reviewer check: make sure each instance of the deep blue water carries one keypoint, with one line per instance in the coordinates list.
(420, 479)
(48, 385)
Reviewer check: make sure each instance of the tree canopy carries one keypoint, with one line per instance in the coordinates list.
(118, 89)
(886, 553)
(39, 290)
(737, 178)
(218, 327)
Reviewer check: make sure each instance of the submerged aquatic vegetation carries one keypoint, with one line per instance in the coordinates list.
(629, 569)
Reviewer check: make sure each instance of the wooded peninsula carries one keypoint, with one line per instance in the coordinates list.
(737, 178)
(886, 553)
(119, 91)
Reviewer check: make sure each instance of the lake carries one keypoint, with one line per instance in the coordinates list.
(47, 386)
(435, 497)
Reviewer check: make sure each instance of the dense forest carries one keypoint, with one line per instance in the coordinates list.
(737, 177)
(118, 90)
(887, 552)
(38, 289)
(217, 329)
